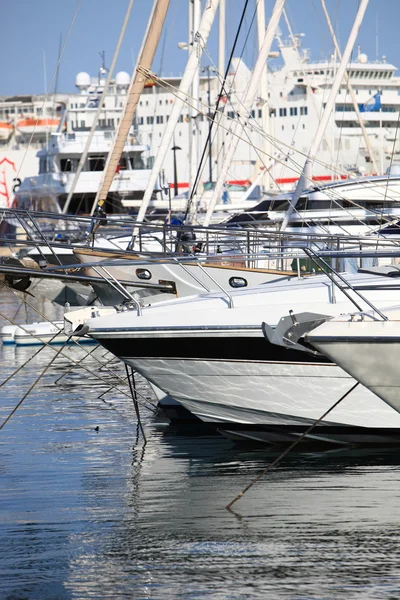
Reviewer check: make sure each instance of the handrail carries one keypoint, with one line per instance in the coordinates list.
(309, 251)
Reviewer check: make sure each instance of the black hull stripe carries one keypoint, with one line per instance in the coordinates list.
(209, 348)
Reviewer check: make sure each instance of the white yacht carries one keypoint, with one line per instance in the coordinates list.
(59, 159)
(215, 361)
(58, 163)
(355, 206)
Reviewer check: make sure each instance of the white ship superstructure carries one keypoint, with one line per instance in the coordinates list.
(297, 93)
(59, 159)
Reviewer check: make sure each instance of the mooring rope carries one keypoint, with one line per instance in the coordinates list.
(279, 458)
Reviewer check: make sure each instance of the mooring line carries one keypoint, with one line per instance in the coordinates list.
(279, 458)
(26, 362)
(132, 387)
(105, 381)
(14, 410)
(153, 409)
(78, 364)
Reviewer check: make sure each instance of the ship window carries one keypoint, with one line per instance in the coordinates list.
(293, 111)
(253, 113)
(160, 102)
(180, 120)
(149, 120)
(282, 112)
(259, 113)
(123, 163)
(238, 282)
(82, 124)
(97, 162)
(160, 118)
(67, 165)
(143, 274)
(303, 110)
(110, 122)
(140, 121)
(137, 161)
(231, 114)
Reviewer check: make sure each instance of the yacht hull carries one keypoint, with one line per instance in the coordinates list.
(271, 401)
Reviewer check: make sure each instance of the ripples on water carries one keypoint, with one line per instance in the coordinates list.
(96, 514)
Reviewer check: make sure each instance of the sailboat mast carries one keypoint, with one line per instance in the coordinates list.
(221, 71)
(207, 20)
(263, 88)
(327, 112)
(194, 22)
(145, 60)
(351, 91)
(96, 117)
(246, 103)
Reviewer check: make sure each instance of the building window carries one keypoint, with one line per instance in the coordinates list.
(231, 114)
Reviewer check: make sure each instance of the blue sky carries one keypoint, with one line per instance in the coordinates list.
(31, 30)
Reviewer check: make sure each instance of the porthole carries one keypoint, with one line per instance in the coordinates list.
(143, 274)
(237, 282)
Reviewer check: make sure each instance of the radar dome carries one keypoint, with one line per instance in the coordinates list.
(82, 81)
(362, 58)
(122, 79)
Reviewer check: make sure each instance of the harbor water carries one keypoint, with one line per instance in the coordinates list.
(88, 510)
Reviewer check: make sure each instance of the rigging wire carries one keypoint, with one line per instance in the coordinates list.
(296, 167)
(55, 71)
(219, 98)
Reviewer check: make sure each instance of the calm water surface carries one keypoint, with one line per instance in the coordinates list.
(87, 513)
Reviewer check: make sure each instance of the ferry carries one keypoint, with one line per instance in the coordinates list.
(297, 92)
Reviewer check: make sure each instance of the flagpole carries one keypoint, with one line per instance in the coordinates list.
(380, 139)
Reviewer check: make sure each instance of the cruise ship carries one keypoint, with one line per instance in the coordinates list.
(297, 92)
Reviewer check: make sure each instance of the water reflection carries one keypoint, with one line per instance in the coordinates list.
(90, 511)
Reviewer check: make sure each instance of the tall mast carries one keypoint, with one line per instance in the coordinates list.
(145, 60)
(96, 117)
(351, 91)
(304, 178)
(246, 105)
(221, 71)
(181, 97)
(263, 86)
(194, 22)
